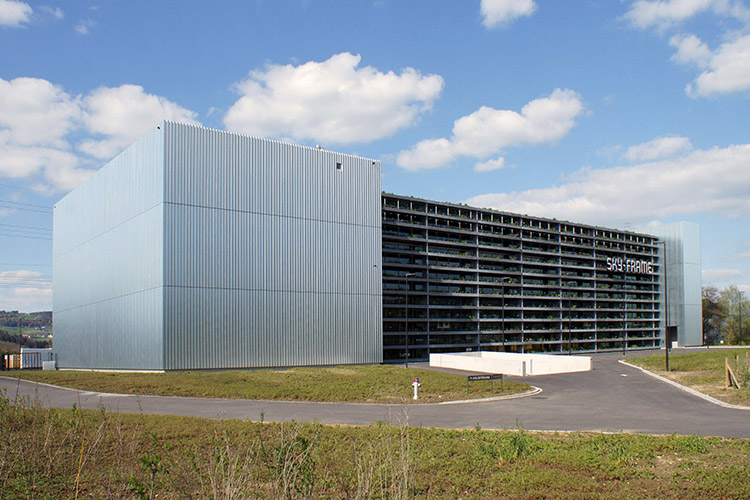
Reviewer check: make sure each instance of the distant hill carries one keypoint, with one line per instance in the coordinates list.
(41, 320)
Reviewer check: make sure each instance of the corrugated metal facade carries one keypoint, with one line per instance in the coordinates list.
(108, 264)
(272, 253)
(197, 248)
(683, 279)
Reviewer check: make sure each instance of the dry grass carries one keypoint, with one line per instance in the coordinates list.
(372, 384)
(702, 371)
(89, 454)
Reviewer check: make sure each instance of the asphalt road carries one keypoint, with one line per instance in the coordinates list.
(611, 397)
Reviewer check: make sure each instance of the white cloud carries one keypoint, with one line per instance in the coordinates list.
(14, 14)
(490, 165)
(26, 291)
(664, 13)
(36, 118)
(19, 276)
(726, 70)
(61, 168)
(488, 130)
(659, 148)
(332, 102)
(36, 112)
(84, 26)
(691, 50)
(705, 181)
(66, 175)
(742, 255)
(500, 12)
(55, 12)
(27, 298)
(427, 154)
(123, 114)
(720, 275)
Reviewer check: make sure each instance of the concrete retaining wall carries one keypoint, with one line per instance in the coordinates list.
(511, 363)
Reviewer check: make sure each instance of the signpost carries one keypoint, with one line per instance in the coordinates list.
(490, 376)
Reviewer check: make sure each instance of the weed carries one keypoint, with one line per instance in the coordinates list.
(293, 463)
(230, 470)
(92, 454)
(689, 444)
(153, 464)
(519, 444)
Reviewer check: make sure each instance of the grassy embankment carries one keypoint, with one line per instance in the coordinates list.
(702, 370)
(93, 454)
(372, 384)
(9, 347)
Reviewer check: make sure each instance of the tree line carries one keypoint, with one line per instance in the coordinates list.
(23, 341)
(726, 315)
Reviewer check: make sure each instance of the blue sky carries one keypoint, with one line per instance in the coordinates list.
(622, 114)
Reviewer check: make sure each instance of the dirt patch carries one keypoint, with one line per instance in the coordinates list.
(343, 371)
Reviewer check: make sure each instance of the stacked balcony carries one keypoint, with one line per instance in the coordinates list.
(458, 278)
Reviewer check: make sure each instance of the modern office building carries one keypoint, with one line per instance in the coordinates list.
(458, 278)
(202, 249)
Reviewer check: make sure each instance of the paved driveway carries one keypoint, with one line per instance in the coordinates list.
(611, 397)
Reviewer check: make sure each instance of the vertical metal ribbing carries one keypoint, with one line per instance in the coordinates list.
(108, 264)
(203, 249)
(277, 247)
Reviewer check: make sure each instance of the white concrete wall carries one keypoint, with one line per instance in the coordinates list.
(511, 363)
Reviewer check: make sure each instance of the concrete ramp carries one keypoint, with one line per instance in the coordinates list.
(508, 363)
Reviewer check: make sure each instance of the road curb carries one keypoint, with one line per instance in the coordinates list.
(706, 397)
(82, 392)
(534, 390)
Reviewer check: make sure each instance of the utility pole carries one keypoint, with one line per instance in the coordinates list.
(739, 339)
(625, 312)
(663, 265)
(625, 329)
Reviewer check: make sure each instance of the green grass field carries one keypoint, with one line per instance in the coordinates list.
(373, 384)
(93, 454)
(702, 370)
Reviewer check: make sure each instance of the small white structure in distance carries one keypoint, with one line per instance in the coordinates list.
(509, 363)
(33, 357)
